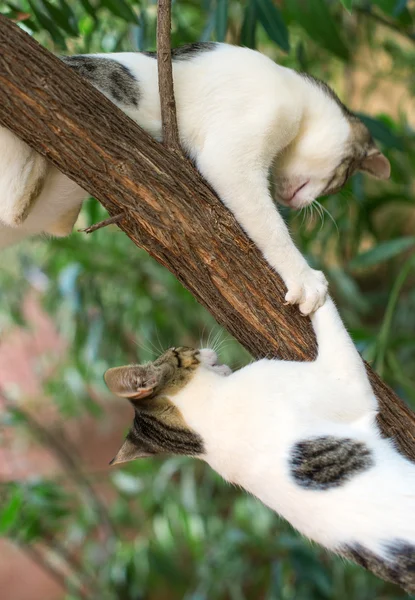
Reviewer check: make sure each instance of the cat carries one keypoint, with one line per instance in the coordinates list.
(302, 437)
(241, 118)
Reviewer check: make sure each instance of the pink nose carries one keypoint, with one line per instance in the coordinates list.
(295, 192)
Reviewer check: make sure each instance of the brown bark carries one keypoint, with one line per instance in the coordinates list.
(169, 210)
(165, 77)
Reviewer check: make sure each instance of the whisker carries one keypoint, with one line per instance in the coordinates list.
(320, 212)
(331, 217)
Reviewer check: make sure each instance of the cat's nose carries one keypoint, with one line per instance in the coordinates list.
(291, 196)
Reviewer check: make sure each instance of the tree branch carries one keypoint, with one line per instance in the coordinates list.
(169, 210)
(165, 75)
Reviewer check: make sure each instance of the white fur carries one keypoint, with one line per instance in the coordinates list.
(250, 420)
(240, 116)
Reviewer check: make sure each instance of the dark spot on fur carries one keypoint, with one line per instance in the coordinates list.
(327, 462)
(188, 51)
(398, 566)
(155, 435)
(108, 75)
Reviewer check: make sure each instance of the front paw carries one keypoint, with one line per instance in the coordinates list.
(308, 289)
(223, 370)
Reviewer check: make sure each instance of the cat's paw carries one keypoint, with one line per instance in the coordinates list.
(308, 290)
(209, 359)
(223, 370)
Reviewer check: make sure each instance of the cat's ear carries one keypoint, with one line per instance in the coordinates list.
(134, 382)
(376, 164)
(128, 451)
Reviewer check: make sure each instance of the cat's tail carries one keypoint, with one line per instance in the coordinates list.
(335, 346)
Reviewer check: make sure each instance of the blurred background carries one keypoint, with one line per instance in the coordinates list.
(69, 309)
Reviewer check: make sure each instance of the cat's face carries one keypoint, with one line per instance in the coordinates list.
(154, 390)
(319, 163)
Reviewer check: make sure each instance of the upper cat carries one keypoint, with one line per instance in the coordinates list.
(302, 437)
(240, 117)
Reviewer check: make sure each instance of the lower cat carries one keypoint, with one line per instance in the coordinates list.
(301, 437)
(241, 118)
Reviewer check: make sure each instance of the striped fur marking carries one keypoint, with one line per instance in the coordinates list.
(157, 436)
(188, 51)
(399, 567)
(327, 462)
(111, 77)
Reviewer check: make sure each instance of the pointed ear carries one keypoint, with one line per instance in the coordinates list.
(134, 381)
(128, 451)
(376, 164)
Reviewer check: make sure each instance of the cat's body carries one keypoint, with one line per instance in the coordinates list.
(240, 117)
(302, 437)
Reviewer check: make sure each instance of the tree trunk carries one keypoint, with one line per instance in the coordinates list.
(169, 210)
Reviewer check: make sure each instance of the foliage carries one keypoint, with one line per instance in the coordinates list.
(172, 528)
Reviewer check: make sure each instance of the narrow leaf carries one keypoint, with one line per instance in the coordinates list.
(273, 23)
(89, 9)
(69, 14)
(347, 4)
(10, 514)
(382, 132)
(382, 252)
(248, 31)
(221, 19)
(48, 24)
(120, 8)
(315, 18)
(59, 17)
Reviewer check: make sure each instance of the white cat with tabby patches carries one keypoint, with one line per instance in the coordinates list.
(301, 437)
(241, 117)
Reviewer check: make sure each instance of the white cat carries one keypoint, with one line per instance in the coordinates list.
(302, 437)
(240, 116)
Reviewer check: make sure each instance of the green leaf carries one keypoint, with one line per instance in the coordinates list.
(382, 252)
(273, 23)
(60, 18)
(120, 8)
(315, 18)
(347, 4)
(69, 14)
(89, 9)
(10, 514)
(382, 132)
(48, 24)
(221, 19)
(248, 31)
(388, 6)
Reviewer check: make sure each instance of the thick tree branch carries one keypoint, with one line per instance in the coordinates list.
(165, 76)
(169, 210)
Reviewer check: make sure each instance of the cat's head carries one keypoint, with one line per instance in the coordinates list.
(332, 144)
(158, 390)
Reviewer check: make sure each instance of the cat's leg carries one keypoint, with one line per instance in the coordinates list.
(64, 225)
(339, 359)
(242, 185)
(22, 176)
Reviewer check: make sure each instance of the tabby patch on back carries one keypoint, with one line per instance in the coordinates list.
(114, 79)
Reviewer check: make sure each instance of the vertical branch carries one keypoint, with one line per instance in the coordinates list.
(165, 77)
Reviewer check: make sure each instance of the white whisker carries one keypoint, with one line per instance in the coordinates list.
(331, 217)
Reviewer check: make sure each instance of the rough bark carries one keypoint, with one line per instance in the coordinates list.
(165, 77)
(169, 210)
